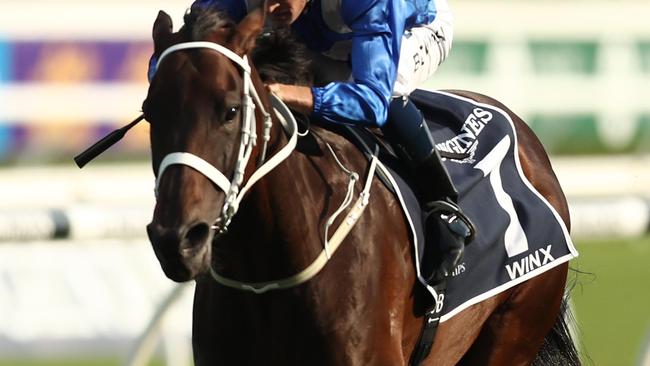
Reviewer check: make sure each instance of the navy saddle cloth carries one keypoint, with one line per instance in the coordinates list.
(519, 234)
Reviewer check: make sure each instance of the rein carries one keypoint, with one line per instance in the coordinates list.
(235, 194)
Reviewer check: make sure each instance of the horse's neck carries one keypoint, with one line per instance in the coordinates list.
(278, 229)
(279, 232)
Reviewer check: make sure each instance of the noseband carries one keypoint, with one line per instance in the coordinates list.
(250, 99)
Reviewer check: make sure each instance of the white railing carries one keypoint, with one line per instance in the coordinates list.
(90, 204)
(62, 298)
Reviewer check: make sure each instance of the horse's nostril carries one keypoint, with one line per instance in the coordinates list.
(196, 236)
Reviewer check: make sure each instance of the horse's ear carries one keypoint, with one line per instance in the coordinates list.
(248, 29)
(162, 29)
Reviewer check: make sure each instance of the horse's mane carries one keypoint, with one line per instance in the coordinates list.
(278, 55)
(201, 21)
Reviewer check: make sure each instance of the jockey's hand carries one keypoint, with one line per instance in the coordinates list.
(298, 98)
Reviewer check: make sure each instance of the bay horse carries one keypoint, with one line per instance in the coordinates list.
(364, 307)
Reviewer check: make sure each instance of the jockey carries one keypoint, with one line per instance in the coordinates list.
(380, 51)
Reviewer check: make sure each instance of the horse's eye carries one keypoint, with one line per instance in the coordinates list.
(231, 113)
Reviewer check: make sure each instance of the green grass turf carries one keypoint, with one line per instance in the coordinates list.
(612, 302)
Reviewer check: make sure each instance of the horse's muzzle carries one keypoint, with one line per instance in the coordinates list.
(183, 252)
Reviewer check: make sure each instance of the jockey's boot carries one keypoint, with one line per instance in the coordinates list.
(445, 221)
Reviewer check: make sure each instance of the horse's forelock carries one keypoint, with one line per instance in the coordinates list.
(279, 56)
(202, 21)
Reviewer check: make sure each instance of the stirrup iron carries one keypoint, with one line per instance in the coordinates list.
(457, 221)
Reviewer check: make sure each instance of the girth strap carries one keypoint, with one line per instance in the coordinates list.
(430, 327)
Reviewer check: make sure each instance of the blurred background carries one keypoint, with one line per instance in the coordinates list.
(79, 284)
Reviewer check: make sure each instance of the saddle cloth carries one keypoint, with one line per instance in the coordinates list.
(519, 234)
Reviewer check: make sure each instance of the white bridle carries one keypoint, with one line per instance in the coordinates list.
(234, 194)
(250, 98)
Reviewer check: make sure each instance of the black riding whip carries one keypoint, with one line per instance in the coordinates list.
(103, 144)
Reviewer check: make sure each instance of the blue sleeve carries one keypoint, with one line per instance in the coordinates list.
(378, 27)
(236, 9)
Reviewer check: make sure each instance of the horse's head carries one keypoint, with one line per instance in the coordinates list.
(195, 107)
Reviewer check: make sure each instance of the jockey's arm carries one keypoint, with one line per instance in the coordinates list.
(374, 58)
(297, 97)
(363, 101)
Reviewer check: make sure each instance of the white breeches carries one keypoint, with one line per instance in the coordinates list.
(423, 49)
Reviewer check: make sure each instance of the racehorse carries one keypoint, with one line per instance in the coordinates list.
(364, 307)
